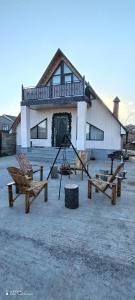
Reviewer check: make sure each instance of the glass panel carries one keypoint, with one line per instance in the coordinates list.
(67, 78)
(5, 127)
(96, 134)
(87, 131)
(56, 79)
(42, 130)
(66, 69)
(58, 71)
(34, 133)
(75, 78)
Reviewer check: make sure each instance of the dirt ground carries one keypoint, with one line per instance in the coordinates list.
(56, 253)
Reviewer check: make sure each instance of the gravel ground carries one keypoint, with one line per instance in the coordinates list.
(55, 253)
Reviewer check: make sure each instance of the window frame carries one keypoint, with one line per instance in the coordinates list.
(90, 139)
(5, 126)
(37, 138)
(62, 75)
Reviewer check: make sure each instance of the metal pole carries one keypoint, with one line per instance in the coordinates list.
(54, 162)
(66, 136)
(60, 186)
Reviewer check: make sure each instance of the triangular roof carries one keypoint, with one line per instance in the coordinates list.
(9, 117)
(53, 65)
(56, 60)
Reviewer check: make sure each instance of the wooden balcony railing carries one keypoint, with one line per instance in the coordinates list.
(54, 91)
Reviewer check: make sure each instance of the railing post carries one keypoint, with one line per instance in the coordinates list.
(22, 93)
(50, 91)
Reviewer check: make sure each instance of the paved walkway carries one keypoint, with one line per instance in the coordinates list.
(54, 253)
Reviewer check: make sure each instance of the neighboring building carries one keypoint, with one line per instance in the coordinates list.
(64, 103)
(130, 137)
(6, 122)
(7, 141)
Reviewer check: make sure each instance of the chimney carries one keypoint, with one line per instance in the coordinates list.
(116, 107)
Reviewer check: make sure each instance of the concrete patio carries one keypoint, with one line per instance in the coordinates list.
(63, 254)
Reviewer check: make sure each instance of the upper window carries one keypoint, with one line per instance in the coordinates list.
(66, 69)
(56, 79)
(62, 75)
(39, 131)
(5, 127)
(94, 133)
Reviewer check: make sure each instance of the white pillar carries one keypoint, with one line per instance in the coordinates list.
(81, 125)
(25, 126)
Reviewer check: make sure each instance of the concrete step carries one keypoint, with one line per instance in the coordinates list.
(49, 154)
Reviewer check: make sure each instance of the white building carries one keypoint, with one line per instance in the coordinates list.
(64, 103)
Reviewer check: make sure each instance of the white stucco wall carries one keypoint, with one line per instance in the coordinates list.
(81, 125)
(37, 116)
(100, 117)
(18, 135)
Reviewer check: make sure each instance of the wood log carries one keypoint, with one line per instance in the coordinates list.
(71, 196)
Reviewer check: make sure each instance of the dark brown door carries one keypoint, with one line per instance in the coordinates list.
(61, 128)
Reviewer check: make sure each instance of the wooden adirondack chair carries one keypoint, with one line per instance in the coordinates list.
(27, 168)
(26, 186)
(77, 166)
(113, 183)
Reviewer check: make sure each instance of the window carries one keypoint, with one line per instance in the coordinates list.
(62, 75)
(66, 69)
(67, 78)
(94, 133)
(39, 131)
(5, 127)
(56, 79)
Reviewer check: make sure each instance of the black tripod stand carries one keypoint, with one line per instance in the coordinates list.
(66, 141)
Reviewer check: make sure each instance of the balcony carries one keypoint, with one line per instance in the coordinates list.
(53, 92)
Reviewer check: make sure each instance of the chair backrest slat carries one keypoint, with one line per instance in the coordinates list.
(83, 157)
(24, 163)
(118, 169)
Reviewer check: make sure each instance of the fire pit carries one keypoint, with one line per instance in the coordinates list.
(65, 169)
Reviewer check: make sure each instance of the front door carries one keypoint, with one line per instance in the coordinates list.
(60, 127)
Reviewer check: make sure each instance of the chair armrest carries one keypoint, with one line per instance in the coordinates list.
(101, 174)
(11, 183)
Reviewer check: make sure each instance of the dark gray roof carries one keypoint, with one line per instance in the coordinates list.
(11, 117)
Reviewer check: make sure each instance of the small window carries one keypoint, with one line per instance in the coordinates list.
(67, 78)
(56, 79)
(34, 133)
(58, 71)
(5, 127)
(75, 79)
(94, 133)
(66, 69)
(39, 131)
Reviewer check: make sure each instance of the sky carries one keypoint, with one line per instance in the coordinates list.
(98, 37)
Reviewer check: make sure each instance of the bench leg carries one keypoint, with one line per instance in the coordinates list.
(96, 190)
(114, 194)
(82, 173)
(27, 203)
(41, 173)
(17, 189)
(46, 192)
(89, 189)
(10, 196)
(119, 187)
